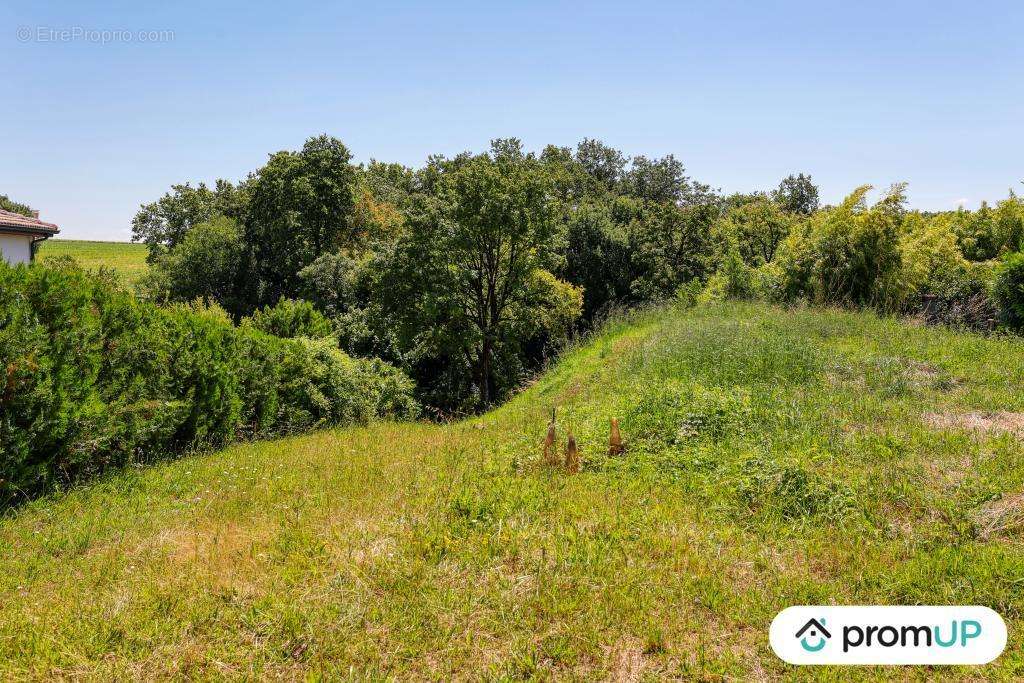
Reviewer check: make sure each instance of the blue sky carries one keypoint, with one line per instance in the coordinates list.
(931, 93)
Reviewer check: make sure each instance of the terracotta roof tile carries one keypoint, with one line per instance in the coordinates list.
(9, 219)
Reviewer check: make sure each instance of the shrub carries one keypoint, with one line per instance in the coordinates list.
(1009, 290)
(93, 378)
(848, 254)
(976, 233)
(928, 253)
(989, 233)
(205, 264)
(734, 279)
(962, 297)
(290, 318)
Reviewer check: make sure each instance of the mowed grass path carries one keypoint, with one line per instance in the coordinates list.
(126, 258)
(775, 458)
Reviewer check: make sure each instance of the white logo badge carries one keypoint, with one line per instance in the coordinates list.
(887, 635)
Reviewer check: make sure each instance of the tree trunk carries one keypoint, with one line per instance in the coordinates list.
(485, 372)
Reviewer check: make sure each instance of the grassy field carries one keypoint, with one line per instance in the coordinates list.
(128, 259)
(774, 458)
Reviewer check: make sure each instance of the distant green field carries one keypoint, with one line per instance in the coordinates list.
(128, 259)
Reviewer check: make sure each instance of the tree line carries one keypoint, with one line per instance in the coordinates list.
(469, 271)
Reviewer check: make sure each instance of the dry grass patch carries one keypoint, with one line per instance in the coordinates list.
(1003, 518)
(981, 422)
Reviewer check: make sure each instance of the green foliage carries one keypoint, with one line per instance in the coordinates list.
(164, 223)
(758, 228)
(734, 279)
(797, 194)
(1009, 289)
(332, 282)
(929, 254)
(205, 264)
(461, 281)
(301, 207)
(8, 204)
(599, 258)
(672, 244)
(604, 164)
(660, 181)
(989, 233)
(962, 297)
(849, 254)
(1009, 224)
(555, 306)
(466, 271)
(94, 378)
(290, 318)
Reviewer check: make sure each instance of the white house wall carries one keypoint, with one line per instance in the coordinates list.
(16, 248)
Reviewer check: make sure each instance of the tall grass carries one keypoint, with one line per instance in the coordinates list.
(772, 458)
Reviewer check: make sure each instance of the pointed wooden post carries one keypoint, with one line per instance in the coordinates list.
(551, 443)
(615, 439)
(572, 455)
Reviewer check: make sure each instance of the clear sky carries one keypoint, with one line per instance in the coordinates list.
(743, 93)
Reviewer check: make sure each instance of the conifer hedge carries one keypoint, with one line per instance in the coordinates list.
(93, 378)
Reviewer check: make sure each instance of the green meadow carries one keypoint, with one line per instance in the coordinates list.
(773, 458)
(125, 258)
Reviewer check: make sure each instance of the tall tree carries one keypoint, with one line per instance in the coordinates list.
(657, 180)
(164, 223)
(301, 207)
(797, 194)
(472, 269)
(759, 227)
(603, 163)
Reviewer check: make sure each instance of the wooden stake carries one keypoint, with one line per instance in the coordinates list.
(615, 439)
(550, 443)
(572, 455)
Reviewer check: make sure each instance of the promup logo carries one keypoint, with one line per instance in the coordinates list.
(817, 630)
(888, 635)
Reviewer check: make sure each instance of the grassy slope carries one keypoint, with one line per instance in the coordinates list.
(128, 259)
(803, 473)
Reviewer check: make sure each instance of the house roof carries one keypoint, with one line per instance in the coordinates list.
(15, 222)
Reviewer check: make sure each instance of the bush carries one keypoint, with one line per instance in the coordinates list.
(1009, 290)
(92, 378)
(290, 318)
(849, 254)
(929, 255)
(962, 297)
(989, 233)
(205, 264)
(734, 279)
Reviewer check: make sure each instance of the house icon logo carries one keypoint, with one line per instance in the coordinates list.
(815, 631)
